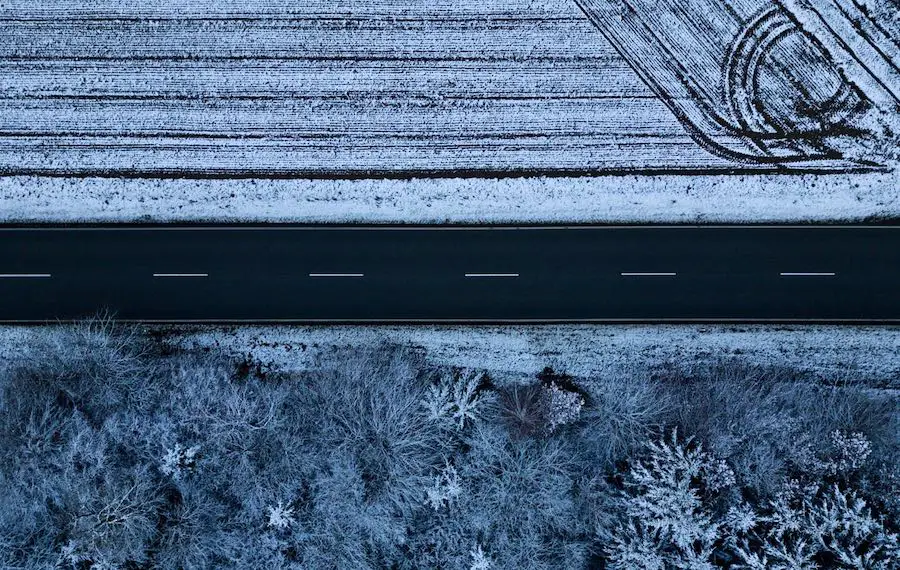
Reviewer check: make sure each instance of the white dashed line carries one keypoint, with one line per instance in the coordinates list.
(337, 275)
(626, 274)
(181, 274)
(808, 274)
(492, 274)
(24, 275)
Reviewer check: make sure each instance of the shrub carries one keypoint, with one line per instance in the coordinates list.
(517, 501)
(341, 526)
(194, 534)
(667, 520)
(620, 415)
(369, 406)
(78, 495)
(538, 410)
(522, 410)
(97, 366)
(812, 527)
(455, 396)
(771, 426)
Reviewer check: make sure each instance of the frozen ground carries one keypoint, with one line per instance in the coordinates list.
(830, 353)
(712, 198)
(211, 88)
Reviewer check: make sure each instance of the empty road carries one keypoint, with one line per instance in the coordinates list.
(438, 274)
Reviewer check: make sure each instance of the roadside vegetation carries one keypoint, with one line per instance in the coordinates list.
(117, 454)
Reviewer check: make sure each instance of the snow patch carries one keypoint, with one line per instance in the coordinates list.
(603, 199)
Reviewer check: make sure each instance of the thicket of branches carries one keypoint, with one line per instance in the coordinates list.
(117, 455)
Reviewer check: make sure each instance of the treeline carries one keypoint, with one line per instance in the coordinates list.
(118, 454)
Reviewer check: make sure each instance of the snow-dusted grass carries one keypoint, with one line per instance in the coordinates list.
(612, 199)
(831, 353)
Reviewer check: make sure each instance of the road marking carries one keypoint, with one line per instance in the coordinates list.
(337, 275)
(626, 274)
(807, 274)
(24, 275)
(181, 274)
(492, 274)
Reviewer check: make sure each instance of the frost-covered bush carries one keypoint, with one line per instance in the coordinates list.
(75, 492)
(340, 525)
(281, 517)
(96, 366)
(561, 406)
(359, 457)
(108, 516)
(809, 527)
(179, 461)
(196, 535)
(522, 409)
(623, 412)
(851, 452)
(516, 502)
(369, 406)
(540, 409)
(667, 519)
(446, 489)
(455, 397)
(79, 501)
(771, 426)
(480, 560)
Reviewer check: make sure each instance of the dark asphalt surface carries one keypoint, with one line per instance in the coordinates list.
(420, 274)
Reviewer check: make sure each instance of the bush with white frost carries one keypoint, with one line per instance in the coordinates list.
(480, 560)
(517, 500)
(623, 413)
(667, 523)
(771, 426)
(669, 520)
(281, 516)
(445, 490)
(561, 406)
(455, 397)
(179, 461)
(808, 527)
(851, 452)
(540, 409)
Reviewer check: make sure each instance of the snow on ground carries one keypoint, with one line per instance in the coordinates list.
(829, 353)
(615, 199)
(833, 353)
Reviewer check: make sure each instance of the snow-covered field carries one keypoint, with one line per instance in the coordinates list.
(831, 353)
(673, 198)
(391, 88)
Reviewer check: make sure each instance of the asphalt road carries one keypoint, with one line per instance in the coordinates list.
(587, 274)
